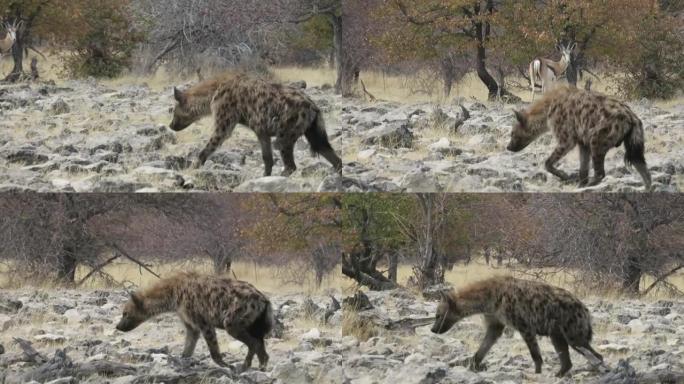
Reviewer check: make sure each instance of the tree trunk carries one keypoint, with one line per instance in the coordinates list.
(430, 271)
(68, 260)
(66, 268)
(632, 274)
(448, 76)
(18, 56)
(346, 68)
(393, 261)
(484, 75)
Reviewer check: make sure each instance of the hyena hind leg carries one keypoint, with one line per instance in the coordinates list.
(209, 334)
(531, 341)
(594, 358)
(254, 346)
(585, 159)
(266, 154)
(560, 344)
(287, 153)
(598, 158)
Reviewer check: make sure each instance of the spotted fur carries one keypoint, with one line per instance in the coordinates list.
(594, 122)
(269, 109)
(532, 308)
(204, 303)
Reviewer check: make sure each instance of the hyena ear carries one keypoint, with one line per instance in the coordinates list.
(520, 116)
(178, 95)
(136, 300)
(443, 295)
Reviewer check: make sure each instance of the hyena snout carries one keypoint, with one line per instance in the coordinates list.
(442, 325)
(178, 125)
(128, 324)
(517, 144)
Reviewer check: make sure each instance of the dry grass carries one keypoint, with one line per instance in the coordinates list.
(464, 275)
(396, 88)
(360, 328)
(266, 278)
(387, 87)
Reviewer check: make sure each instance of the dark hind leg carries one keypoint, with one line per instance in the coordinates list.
(209, 334)
(287, 153)
(598, 158)
(594, 358)
(560, 344)
(531, 341)
(330, 155)
(585, 159)
(494, 331)
(266, 154)
(254, 346)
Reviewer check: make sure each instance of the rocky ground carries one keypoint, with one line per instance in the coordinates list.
(84, 136)
(67, 336)
(641, 341)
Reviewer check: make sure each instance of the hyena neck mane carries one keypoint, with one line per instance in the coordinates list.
(160, 298)
(475, 299)
(199, 97)
(538, 113)
(540, 109)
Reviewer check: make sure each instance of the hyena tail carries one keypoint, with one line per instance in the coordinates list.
(634, 152)
(263, 324)
(318, 140)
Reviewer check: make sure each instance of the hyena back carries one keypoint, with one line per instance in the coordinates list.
(204, 303)
(532, 308)
(594, 122)
(268, 109)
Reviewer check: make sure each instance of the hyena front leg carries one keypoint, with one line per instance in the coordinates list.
(266, 154)
(494, 331)
(561, 150)
(191, 337)
(531, 341)
(222, 131)
(585, 158)
(209, 334)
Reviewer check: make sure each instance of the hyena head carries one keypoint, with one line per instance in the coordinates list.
(185, 112)
(525, 131)
(134, 314)
(448, 314)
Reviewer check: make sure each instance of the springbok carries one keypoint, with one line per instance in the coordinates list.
(7, 43)
(547, 71)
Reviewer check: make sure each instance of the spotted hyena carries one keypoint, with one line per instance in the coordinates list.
(593, 121)
(203, 303)
(531, 308)
(268, 109)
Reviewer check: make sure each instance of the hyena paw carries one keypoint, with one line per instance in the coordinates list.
(287, 172)
(477, 367)
(595, 182)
